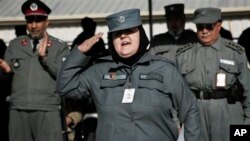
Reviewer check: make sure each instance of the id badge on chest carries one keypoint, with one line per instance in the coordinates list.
(221, 80)
(128, 95)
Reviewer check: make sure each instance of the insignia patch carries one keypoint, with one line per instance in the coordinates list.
(49, 43)
(24, 42)
(114, 76)
(63, 59)
(121, 19)
(33, 7)
(16, 64)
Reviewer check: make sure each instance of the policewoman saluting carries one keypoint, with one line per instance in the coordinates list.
(134, 92)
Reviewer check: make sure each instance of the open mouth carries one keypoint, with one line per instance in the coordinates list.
(125, 43)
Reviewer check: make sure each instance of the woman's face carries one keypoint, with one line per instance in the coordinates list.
(126, 42)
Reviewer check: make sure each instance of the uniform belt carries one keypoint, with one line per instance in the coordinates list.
(213, 94)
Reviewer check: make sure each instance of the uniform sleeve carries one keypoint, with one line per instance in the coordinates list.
(71, 82)
(187, 109)
(244, 78)
(53, 61)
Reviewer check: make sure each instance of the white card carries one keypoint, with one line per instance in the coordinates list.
(221, 80)
(128, 95)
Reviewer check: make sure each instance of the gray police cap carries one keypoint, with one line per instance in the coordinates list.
(207, 15)
(124, 20)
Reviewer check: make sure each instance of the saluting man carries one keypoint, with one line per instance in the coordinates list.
(33, 60)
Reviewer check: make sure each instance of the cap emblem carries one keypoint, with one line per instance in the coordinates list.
(172, 8)
(121, 19)
(33, 7)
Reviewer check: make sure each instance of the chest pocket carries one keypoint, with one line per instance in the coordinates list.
(111, 91)
(153, 92)
(231, 72)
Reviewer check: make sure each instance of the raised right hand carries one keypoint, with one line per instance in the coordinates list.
(88, 44)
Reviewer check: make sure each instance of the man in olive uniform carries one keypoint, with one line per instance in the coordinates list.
(167, 43)
(33, 60)
(218, 73)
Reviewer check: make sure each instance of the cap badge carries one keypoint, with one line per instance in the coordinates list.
(203, 12)
(121, 19)
(33, 7)
(172, 8)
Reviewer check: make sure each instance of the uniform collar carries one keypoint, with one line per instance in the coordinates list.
(216, 45)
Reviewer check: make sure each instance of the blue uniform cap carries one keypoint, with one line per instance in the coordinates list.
(124, 20)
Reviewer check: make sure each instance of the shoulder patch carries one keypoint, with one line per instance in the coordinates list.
(234, 46)
(183, 48)
(160, 58)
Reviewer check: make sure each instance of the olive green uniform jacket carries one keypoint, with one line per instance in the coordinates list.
(34, 80)
(148, 117)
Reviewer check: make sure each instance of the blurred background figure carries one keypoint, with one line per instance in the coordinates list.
(167, 43)
(20, 30)
(226, 34)
(2, 48)
(4, 93)
(245, 42)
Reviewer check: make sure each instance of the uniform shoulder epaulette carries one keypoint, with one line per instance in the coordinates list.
(22, 39)
(160, 58)
(183, 48)
(56, 39)
(234, 46)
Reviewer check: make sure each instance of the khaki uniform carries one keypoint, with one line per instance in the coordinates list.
(200, 65)
(33, 99)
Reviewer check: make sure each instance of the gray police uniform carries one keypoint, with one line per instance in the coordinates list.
(33, 99)
(200, 65)
(147, 117)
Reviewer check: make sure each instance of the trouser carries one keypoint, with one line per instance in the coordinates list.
(31, 125)
(216, 116)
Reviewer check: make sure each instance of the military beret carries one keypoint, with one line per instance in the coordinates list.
(207, 15)
(35, 7)
(124, 20)
(174, 10)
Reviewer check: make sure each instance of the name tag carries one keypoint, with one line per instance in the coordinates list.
(114, 76)
(221, 80)
(228, 62)
(128, 95)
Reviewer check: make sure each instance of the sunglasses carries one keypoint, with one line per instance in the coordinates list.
(205, 26)
(37, 19)
(126, 31)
